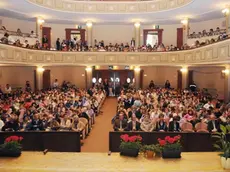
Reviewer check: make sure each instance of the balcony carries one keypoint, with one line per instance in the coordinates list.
(217, 53)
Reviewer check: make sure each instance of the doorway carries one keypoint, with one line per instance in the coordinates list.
(117, 79)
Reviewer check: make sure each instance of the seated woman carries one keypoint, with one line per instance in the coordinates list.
(65, 124)
(147, 125)
(161, 125)
(77, 125)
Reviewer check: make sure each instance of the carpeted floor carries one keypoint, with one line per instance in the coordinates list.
(98, 140)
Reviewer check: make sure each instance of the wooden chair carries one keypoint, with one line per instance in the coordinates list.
(187, 127)
(201, 127)
(85, 121)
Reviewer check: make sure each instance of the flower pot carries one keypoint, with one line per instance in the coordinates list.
(129, 152)
(171, 154)
(10, 153)
(223, 161)
(149, 154)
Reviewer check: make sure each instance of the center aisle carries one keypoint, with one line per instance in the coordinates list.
(98, 140)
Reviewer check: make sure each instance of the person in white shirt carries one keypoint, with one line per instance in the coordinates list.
(208, 105)
(1, 124)
(8, 89)
(55, 84)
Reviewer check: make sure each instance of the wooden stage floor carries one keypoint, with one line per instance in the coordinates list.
(101, 162)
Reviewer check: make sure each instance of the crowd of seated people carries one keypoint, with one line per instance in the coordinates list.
(205, 33)
(166, 109)
(76, 44)
(61, 108)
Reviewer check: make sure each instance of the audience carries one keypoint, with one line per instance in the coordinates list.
(166, 109)
(62, 108)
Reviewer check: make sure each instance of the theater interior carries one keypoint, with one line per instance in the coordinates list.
(114, 85)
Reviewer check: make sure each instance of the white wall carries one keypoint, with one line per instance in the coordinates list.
(112, 33)
(13, 24)
(207, 25)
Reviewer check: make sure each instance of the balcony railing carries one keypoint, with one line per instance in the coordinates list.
(217, 53)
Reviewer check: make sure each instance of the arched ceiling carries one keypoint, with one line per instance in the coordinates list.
(196, 10)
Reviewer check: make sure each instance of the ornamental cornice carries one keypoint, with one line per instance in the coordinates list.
(82, 6)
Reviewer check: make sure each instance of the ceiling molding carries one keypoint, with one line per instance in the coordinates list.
(111, 7)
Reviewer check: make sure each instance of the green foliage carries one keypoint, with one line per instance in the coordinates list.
(130, 145)
(154, 148)
(11, 146)
(221, 141)
(174, 146)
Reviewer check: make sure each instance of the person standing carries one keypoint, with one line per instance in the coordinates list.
(45, 42)
(58, 44)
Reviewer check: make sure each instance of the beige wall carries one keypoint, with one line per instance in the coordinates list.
(112, 33)
(73, 74)
(159, 74)
(16, 76)
(209, 77)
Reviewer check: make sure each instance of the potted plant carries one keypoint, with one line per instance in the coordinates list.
(151, 150)
(223, 145)
(171, 147)
(11, 147)
(130, 145)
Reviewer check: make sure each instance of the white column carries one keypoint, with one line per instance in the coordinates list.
(137, 75)
(184, 72)
(89, 26)
(137, 34)
(226, 72)
(89, 75)
(39, 78)
(39, 25)
(185, 23)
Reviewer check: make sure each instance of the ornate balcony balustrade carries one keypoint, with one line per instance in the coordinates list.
(217, 53)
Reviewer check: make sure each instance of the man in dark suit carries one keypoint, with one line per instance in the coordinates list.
(120, 124)
(45, 42)
(36, 123)
(161, 124)
(132, 43)
(128, 102)
(174, 125)
(213, 124)
(133, 125)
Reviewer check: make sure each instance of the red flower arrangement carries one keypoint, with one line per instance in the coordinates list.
(130, 142)
(13, 139)
(172, 143)
(127, 138)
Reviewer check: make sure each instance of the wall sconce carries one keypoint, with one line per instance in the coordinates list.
(137, 24)
(184, 70)
(89, 24)
(184, 21)
(226, 71)
(225, 11)
(88, 69)
(40, 69)
(137, 69)
(41, 21)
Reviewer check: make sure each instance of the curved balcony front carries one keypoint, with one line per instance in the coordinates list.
(217, 53)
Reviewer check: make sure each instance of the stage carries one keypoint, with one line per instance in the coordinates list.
(101, 162)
